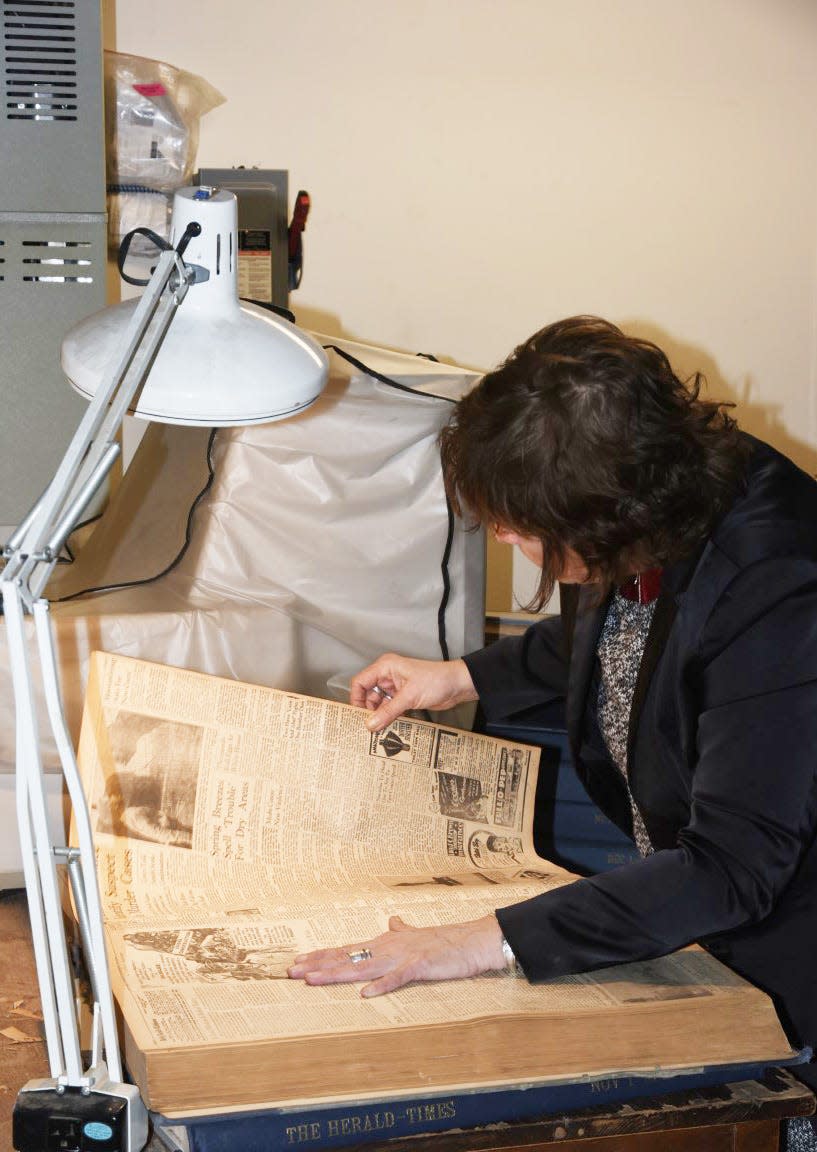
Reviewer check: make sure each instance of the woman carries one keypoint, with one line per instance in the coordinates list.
(686, 649)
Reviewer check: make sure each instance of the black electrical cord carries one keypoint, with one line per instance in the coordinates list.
(276, 308)
(449, 540)
(69, 557)
(188, 535)
(385, 379)
(192, 230)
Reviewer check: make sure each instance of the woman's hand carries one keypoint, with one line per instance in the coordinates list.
(397, 684)
(404, 954)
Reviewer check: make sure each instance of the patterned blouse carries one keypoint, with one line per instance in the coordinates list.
(620, 649)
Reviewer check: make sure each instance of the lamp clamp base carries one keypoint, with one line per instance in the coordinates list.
(50, 1117)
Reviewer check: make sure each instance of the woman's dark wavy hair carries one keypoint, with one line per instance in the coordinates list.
(586, 439)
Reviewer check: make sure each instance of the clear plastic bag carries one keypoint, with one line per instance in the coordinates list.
(152, 121)
(152, 113)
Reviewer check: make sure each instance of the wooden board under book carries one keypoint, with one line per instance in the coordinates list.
(237, 825)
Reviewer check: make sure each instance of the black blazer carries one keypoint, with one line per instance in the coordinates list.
(723, 757)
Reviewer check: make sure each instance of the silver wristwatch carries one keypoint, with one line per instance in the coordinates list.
(511, 962)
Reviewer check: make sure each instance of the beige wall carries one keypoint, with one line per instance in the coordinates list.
(481, 167)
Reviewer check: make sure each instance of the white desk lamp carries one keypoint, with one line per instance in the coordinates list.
(223, 363)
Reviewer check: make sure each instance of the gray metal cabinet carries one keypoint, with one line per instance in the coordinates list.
(52, 228)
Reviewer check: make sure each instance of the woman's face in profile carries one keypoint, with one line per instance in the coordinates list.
(574, 571)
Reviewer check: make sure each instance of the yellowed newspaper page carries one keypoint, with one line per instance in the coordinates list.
(235, 773)
(225, 980)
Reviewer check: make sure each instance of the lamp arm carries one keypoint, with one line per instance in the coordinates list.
(39, 880)
(32, 550)
(30, 555)
(85, 884)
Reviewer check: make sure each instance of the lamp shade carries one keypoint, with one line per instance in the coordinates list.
(222, 362)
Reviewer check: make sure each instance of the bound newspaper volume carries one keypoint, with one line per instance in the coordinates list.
(238, 825)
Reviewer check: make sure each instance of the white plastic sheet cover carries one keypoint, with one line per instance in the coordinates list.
(319, 544)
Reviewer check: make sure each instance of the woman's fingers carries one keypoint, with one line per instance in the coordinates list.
(362, 689)
(405, 953)
(334, 963)
(387, 711)
(350, 965)
(395, 684)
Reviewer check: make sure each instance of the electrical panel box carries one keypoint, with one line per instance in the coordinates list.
(53, 245)
(263, 231)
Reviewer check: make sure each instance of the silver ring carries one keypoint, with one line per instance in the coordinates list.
(380, 692)
(360, 955)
